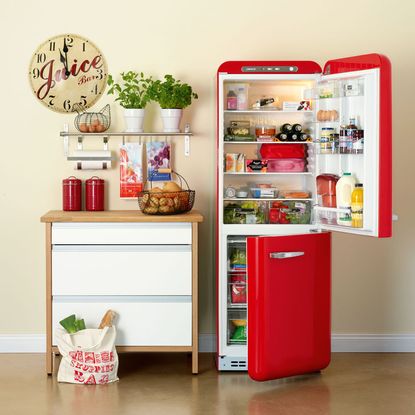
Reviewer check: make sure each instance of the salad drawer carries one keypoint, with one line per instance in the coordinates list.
(121, 270)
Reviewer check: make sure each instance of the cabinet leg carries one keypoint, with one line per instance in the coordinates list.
(195, 362)
(49, 360)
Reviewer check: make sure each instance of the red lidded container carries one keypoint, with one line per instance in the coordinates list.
(71, 194)
(326, 189)
(94, 194)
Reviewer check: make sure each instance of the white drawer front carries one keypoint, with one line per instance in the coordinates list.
(122, 270)
(153, 321)
(121, 233)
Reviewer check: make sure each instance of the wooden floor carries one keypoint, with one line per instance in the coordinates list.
(354, 384)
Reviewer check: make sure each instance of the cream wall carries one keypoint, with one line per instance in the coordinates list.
(373, 280)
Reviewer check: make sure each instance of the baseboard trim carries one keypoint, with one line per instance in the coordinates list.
(375, 343)
(348, 343)
(22, 343)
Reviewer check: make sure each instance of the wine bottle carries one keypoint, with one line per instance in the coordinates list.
(286, 128)
(297, 128)
(282, 137)
(303, 136)
(293, 137)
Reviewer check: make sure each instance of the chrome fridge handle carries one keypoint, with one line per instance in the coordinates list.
(283, 255)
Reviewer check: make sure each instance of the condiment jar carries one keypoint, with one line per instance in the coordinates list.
(71, 194)
(94, 194)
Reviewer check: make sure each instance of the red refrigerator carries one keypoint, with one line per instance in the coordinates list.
(283, 129)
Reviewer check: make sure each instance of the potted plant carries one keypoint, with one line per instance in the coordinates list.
(133, 97)
(172, 96)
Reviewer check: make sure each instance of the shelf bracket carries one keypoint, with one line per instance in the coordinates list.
(80, 145)
(66, 140)
(187, 140)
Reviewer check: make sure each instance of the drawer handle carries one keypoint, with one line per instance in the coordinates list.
(284, 255)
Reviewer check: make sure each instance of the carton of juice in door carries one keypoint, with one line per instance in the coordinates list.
(357, 206)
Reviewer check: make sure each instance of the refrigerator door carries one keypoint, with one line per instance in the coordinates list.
(288, 304)
(373, 105)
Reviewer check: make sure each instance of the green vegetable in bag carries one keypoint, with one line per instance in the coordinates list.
(72, 325)
(239, 334)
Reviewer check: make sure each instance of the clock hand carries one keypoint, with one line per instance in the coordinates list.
(65, 50)
(64, 61)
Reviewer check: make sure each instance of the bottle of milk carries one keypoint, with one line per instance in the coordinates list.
(344, 189)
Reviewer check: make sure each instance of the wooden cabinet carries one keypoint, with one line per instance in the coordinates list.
(142, 267)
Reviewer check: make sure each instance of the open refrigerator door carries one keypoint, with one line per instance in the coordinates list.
(353, 146)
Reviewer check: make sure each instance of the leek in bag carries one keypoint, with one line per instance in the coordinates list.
(72, 325)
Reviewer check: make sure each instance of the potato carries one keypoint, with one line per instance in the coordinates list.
(165, 209)
(145, 197)
(163, 201)
(170, 202)
(150, 210)
(154, 201)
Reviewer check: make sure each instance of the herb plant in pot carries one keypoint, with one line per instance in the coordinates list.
(132, 94)
(172, 96)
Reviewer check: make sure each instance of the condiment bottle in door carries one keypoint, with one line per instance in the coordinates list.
(357, 206)
(344, 189)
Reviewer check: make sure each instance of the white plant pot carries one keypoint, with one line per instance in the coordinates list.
(134, 119)
(171, 120)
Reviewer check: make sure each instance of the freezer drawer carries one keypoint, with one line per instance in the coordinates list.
(121, 270)
(142, 321)
(121, 233)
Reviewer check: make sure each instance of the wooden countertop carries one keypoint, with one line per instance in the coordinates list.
(118, 216)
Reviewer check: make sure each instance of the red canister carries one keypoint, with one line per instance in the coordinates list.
(94, 194)
(72, 193)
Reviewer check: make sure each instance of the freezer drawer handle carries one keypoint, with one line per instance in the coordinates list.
(283, 255)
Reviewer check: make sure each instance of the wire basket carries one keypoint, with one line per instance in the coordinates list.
(92, 122)
(159, 202)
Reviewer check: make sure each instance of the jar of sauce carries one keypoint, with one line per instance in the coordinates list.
(265, 131)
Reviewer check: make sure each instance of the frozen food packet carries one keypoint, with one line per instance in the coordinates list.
(131, 170)
(239, 334)
(158, 157)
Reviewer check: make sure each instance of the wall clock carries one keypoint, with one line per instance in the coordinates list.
(68, 69)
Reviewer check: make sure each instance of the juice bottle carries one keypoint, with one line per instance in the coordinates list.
(357, 206)
(344, 189)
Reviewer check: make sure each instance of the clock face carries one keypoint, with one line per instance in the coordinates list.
(68, 70)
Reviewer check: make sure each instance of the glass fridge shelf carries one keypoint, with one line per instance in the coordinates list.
(263, 199)
(269, 173)
(267, 142)
(266, 111)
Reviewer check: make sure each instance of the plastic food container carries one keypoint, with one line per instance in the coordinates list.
(241, 193)
(256, 165)
(246, 212)
(290, 212)
(265, 131)
(286, 165)
(326, 190)
(264, 192)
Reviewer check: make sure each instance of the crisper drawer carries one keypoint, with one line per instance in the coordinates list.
(121, 270)
(141, 321)
(121, 233)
